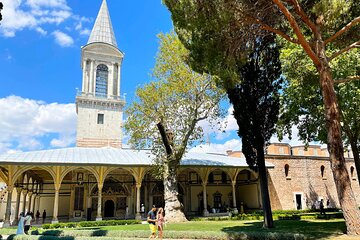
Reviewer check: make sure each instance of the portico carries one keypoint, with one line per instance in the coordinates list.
(98, 183)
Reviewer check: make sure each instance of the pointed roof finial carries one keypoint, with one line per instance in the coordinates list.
(103, 30)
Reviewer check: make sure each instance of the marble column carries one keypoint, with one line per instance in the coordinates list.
(205, 212)
(233, 183)
(18, 191)
(24, 201)
(72, 200)
(99, 208)
(8, 206)
(30, 200)
(84, 83)
(138, 215)
(56, 206)
(91, 80)
(34, 203)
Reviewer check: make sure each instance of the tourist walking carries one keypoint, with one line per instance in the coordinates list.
(322, 210)
(151, 219)
(160, 222)
(37, 215)
(20, 228)
(27, 223)
(44, 215)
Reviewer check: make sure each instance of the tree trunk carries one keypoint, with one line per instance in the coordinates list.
(173, 207)
(355, 151)
(268, 219)
(335, 145)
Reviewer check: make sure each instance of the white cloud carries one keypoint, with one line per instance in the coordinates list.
(41, 31)
(233, 144)
(63, 39)
(26, 121)
(31, 14)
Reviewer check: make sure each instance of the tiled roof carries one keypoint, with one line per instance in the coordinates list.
(114, 157)
(103, 30)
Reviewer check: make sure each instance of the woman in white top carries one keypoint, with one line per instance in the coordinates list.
(20, 229)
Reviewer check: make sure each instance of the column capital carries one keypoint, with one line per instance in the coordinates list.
(233, 182)
(204, 184)
(138, 185)
(10, 188)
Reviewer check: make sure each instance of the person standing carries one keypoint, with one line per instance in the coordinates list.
(142, 210)
(322, 210)
(44, 215)
(160, 222)
(27, 223)
(151, 219)
(37, 215)
(20, 229)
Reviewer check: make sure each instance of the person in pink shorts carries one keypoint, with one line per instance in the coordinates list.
(160, 222)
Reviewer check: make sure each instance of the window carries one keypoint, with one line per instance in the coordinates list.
(100, 119)
(352, 172)
(286, 167)
(101, 81)
(281, 150)
(322, 168)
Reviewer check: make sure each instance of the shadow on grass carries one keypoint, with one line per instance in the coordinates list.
(99, 233)
(311, 229)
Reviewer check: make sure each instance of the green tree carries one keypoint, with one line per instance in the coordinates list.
(218, 32)
(1, 8)
(167, 114)
(256, 108)
(302, 101)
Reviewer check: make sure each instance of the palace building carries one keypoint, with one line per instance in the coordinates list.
(99, 179)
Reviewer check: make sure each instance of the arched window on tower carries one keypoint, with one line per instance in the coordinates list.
(352, 172)
(322, 168)
(286, 168)
(101, 81)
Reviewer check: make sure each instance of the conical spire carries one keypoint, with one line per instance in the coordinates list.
(103, 30)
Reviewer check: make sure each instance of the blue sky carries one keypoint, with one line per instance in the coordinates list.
(40, 43)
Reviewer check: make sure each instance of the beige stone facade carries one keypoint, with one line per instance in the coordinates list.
(302, 176)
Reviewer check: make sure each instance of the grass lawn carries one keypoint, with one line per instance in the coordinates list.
(313, 229)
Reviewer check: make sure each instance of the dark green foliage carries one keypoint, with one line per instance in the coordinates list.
(1, 8)
(90, 224)
(256, 98)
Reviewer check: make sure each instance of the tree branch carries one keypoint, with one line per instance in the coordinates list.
(351, 46)
(298, 32)
(348, 79)
(266, 27)
(343, 30)
(303, 16)
(164, 138)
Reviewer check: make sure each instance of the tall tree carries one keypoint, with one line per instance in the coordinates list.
(1, 8)
(302, 101)
(256, 108)
(165, 118)
(216, 32)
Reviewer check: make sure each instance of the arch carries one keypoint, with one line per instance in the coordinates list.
(109, 170)
(69, 169)
(322, 170)
(286, 168)
(27, 168)
(190, 170)
(223, 177)
(352, 171)
(250, 175)
(101, 85)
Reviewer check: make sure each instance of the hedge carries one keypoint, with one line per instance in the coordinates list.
(283, 216)
(90, 224)
(116, 234)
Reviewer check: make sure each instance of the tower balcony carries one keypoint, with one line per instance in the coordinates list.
(99, 96)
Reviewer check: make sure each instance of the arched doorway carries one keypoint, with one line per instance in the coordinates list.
(109, 208)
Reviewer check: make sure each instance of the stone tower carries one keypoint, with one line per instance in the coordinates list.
(98, 105)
